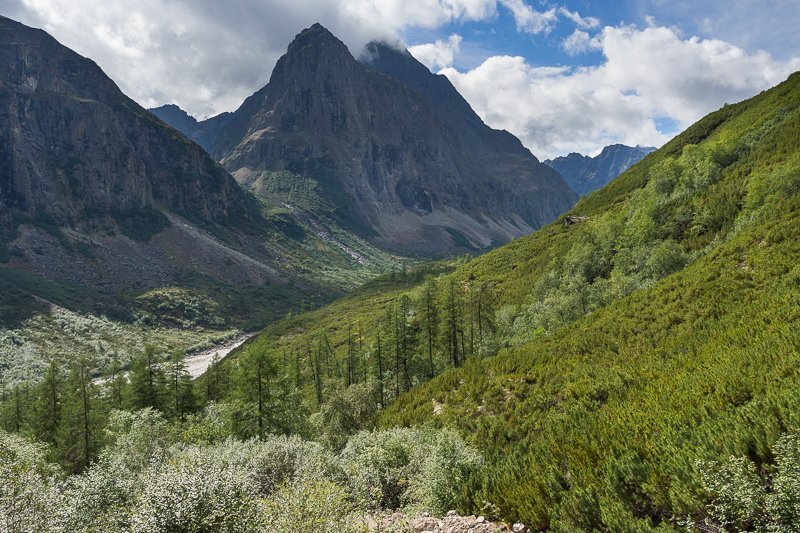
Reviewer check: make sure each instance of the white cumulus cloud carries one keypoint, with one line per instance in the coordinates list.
(208, 56)
(577, 42)
(574, 16)
(647, 74)
(438, 54)
(530, 20)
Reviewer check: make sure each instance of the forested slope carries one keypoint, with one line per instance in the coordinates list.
(652, 326)
(601, 424)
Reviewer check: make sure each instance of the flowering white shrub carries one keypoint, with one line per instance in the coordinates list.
(148, 479)
(745, 499)
(25, 488)
(197, 496)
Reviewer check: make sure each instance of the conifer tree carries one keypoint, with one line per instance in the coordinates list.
(147, 381)
(452, 332)
(181, 386)
(77, 438)
(47, 410)
(116, 384)
(255, 372)
(379, 361)
(430, 321)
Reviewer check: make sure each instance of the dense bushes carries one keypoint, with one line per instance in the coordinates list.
(687, 266)
(149, 479)
(405, 467)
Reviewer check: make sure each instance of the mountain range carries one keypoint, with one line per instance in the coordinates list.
(630, 365)
(403, 158)
(585, 174)
(310, 188)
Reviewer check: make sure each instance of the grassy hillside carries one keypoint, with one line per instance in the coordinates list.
(652, 326)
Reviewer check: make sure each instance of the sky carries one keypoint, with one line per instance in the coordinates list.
(563, 76)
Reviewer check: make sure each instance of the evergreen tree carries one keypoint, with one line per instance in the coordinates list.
(47, 409)
(430, 322)
(255, 372)
(77, 438)
(217, 380)
(148, 386)
(181, 386)
(379, 361)
(116, 384)
(452, 334)
(15, 408)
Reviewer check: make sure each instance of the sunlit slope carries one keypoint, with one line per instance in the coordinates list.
(599, 422)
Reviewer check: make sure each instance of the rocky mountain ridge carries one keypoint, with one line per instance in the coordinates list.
(395, 148)
(586, 174)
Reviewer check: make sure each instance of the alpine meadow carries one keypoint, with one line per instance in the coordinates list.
(360, 302)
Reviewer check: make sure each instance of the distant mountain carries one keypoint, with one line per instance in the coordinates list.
(203, 133)
(395, 149)
(586, 174)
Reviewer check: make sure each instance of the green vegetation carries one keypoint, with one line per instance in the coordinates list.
(659, 331)
(598, 421)
(190, 473)
(603, 367)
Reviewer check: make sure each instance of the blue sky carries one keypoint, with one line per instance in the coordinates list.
(773, 26)
(571, 75)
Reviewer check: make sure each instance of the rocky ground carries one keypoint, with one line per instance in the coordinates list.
(451, 523)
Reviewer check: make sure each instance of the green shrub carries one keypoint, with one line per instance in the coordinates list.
(311, 505)
(399, 468)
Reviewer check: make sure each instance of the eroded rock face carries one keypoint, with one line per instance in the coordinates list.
(398, 151)
(73, 147)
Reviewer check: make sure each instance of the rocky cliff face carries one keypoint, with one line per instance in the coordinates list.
(73, 146)
(395, 148)
(88, 179)
(586, 174)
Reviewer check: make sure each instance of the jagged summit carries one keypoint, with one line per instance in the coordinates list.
(585, 174)
(315, 41)
(400, 154)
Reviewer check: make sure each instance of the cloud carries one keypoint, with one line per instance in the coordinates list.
(583, 22)
(438, 54)
(528, 19)
(208, 56)
(649, 76)
(576, 43)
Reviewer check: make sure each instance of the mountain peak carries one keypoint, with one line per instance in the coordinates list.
(585, 174)
(315, 35)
